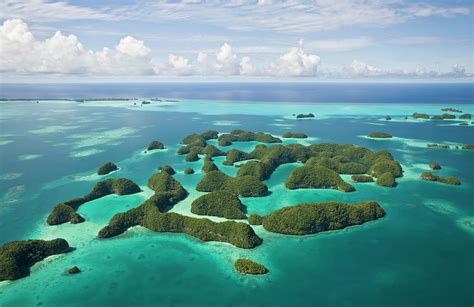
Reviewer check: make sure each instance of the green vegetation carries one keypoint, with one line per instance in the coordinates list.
(74, 270)
(255, 219)
(246, 266)
(219, 203)
(435, 166)
(188, 171)
(379, 135)
(343, 159)
(294, 135)
(309, 218)
(309, 115)
(244, 186)
(17, 257)
(468, 146)
(156, 145)
(386, 180)
(316, 177)
(387, 117)
(362, 178)
(420, 115)
(438, 146)
(447, 180)
(244, 136)
(151, 214)
(107, 168)
(443, 116)
(196, 144)
(465, 116)
(209, 166)
(166, 169)
(66, 212)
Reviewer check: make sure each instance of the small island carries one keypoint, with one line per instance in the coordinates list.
(468, 146)
(310, 218)
(316, 177)
(167, 169)
(209, 165)
(443, 116)
(255, 219)
(447, 180)
(107, 168)
(362, 178)
(309, 115)
(17, 257)
(155, 145)
(219, 203)
(294, 135)
(246, 136)
(188, 171)
(387, 117)
(66, 212)
(420, 115)
(386, 180)
(73, 270)
(440, 146)
(451, 110)
(435, 166)
(246, 266)
(379, 135)
(465, 116)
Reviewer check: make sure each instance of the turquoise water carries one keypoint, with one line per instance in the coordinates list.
(420, 254)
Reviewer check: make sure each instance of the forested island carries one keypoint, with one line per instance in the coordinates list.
(17, 257)
(246, 266)
(107, 168)
(379, 135)
(447, 180)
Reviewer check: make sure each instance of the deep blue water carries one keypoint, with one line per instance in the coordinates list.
(275, 92)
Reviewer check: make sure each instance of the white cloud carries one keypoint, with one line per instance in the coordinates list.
(21, 52)
(358, 68)
(246, 67)
(295, 63)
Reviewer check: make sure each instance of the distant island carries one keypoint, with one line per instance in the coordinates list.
(447, 180)
(294, 135)
(309, 115)
(379, 135)
(107, 168)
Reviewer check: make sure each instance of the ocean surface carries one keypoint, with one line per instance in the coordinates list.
(420, 254)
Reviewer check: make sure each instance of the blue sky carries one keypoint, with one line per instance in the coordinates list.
(255, 40)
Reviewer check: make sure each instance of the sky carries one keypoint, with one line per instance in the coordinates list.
(324, 40)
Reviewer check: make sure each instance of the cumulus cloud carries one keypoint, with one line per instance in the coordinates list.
(295, 63)
(21, 52)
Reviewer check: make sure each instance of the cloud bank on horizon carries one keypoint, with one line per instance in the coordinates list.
(342, 39)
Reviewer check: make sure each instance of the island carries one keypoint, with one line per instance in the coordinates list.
(451, 110)
(196, 144)
(17, 257)
(420, 115)
(379, 135)
(155, 145)
(316, 177)
(435, 166)
(343, 159)
(443, 116)
(386, 180)
(107, 168)
(447, 180)
(167, 169)
(309, 115)
(246, 266)
(387, 117)
(362, 178)
(465, 116)
(66, 212)
(219, 203)
(238, 135)
(208, 165)
(244, 186)
(294, 135)
(255, 219)
(74, 270)
(468, 146)
(188, 171)
(153, 215)
(310, 218)
(440, 146)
